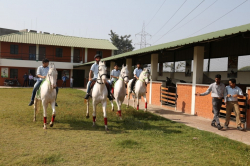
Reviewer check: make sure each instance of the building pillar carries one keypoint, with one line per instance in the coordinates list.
(37, 52)
(129, 64)
(154, 66)
(71, 73)
(72, 54)
(112, 64)
(0, 53)
(197, 73)
(86, 55)
(112, 53)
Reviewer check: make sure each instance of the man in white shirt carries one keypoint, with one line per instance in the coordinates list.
(231, 95)
(115, 73)
(136, 73)
(217, 90)
(94, 70)
(71, 82)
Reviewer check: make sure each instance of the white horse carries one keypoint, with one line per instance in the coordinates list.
(47, 95)
(99, 94)
(120, 89)
(140, 88)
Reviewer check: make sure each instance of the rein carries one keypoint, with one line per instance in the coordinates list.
(100, 77)
(143, 80)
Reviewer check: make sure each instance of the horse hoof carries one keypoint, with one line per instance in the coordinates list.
(34, 120)
(87, 116)
(44, 127)
(51, 124)
(107, 129)
(145, 110)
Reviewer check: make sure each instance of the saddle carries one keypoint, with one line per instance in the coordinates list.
(94, 82)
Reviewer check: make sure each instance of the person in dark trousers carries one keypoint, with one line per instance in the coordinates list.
(94, 70)
(217, 90)
(31, 80)
(231, 95)
(42, 72)
(64, 78)
(26, 78)
(136, 73)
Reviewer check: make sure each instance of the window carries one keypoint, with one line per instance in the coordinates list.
(243, 63)
(13, 73)
(59, 76)
(99, 52)
(14, 49)
(59, 52)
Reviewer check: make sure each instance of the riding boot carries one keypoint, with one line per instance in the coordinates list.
(110, 96)
(88, 90)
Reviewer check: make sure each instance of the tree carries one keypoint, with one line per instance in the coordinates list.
(123, 43)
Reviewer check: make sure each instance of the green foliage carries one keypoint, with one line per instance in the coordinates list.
(123, 43)
(246, 68)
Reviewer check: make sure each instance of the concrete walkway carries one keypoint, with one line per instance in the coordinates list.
(195, 122)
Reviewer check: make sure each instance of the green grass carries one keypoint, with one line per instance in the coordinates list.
(139, 139)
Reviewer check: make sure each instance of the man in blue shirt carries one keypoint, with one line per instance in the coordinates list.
(94, 70)
(115, 73)
(42, 72)
(136, 73)
(64, 78)
(25, 82)
(231, 95)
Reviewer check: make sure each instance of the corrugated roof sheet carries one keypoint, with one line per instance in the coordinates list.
(57, 40)
(195, 39)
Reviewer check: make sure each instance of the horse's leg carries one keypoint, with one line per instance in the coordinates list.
(53, 113)
(35, 109)
(134, 96)
(112, 105)
(119, 107)
(94, 113)
(87, 113)
(45, 106)
(146, 103)
(128, 99)
(137, 102)
(104, 104)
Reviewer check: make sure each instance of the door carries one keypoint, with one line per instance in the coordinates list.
(76, 58)
(33, 72)
(78, 76)
(32, 53)
(42, 53)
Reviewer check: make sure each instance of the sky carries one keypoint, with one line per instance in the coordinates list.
(95, 18)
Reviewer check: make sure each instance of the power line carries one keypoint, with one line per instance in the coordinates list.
(171, 17)
(156, 12)
(180, 21)
(219, 17)
(196, 16)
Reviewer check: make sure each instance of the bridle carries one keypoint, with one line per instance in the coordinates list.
(100, 77)
(121, 77)
(143, 80)
(49, 78)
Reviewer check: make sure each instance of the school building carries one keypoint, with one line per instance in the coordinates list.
(23, 51)
(191, 65)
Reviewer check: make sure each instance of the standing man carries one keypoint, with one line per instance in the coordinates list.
(94, 70)
(137, 73)
(31, 80)
(231, 95)
(25, 82)
(217, 90)
(42, 72)
(64, 78)
(115, 73)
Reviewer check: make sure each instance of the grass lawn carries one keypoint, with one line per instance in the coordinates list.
(139, 139)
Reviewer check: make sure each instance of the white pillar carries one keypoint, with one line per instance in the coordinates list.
(86, 55)
(154, 66)
(112, 53)
(150, 91)
(71, 73)
(0, 53)
(72, 54)
(197, 73)
(129, 63)
(37, 52)
(112, 64)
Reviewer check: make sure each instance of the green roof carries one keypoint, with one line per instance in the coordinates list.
(57, 40)
(182, 42)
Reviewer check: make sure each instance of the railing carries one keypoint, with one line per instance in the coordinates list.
(168, 95)
(34, 57)
(243, 109)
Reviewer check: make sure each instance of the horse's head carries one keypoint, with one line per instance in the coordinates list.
(124, 73)
(145, 75)
(102, 71)
(52, 75)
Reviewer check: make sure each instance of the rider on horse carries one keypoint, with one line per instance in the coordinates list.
(42, 72)
(137, 73)
(115, 73)
(94, 70)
